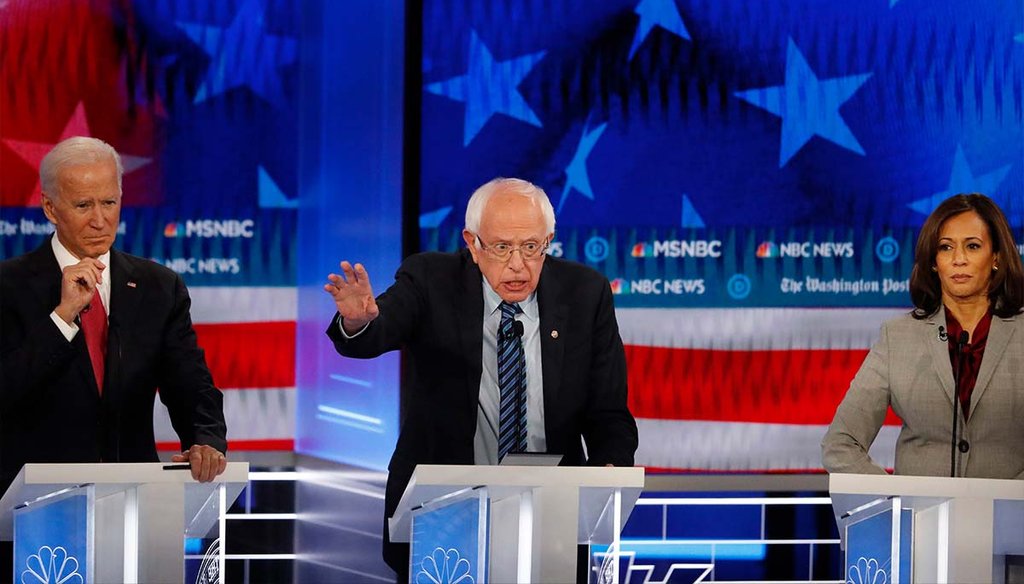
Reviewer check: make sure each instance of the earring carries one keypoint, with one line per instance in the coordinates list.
(935, 269)
(995, 268)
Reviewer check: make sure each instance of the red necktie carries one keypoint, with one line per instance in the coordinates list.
(94, 325)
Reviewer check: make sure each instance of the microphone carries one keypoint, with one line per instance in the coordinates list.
(114, 330)
(517, 333)
(943, 335)
(960, 342)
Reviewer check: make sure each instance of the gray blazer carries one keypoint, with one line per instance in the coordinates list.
(909, 369)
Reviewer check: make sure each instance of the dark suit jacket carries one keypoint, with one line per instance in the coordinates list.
(435, 311)
(50, 408)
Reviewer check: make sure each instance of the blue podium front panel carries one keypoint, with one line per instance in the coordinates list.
(449, 541)
(870, 551)
(53, 539)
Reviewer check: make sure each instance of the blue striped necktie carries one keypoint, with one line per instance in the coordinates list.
(511, 385)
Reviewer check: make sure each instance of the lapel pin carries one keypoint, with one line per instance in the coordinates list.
(131, 284)
(554, 334)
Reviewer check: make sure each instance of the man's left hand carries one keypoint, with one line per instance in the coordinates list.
(206, 461)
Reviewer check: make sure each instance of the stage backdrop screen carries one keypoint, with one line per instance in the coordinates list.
(259, 150)
(200, 100)
(749, 176)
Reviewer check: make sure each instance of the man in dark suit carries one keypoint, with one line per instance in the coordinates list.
(453, 314)
(88, 334)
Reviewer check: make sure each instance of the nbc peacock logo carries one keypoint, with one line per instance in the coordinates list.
(51, 565)
(641, 250)
(172, 229)
(620, 286)
(767, 249)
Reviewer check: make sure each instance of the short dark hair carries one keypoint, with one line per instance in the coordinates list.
(1005, 289)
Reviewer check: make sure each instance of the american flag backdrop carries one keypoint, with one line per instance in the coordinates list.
(749, 176)
(200, 100)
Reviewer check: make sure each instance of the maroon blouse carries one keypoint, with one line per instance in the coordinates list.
(970, 355)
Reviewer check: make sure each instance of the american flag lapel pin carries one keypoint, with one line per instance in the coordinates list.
(132, 284)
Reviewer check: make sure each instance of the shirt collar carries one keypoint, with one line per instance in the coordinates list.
(65, 258)
(491, 302)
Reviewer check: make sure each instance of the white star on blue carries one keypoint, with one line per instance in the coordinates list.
(576, 175)
(807, 105)
(433, 219)
(270, 194)
(489, 87)
(690, 218)
(663, 13)
(242, 54)
(962, 180)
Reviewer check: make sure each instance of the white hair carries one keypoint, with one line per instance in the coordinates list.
(73, 152)
(516, 186)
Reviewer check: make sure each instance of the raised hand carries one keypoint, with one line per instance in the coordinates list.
(353, 296)
(77, 286)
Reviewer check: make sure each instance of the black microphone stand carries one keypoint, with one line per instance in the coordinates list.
(960, 342)
(517, 332)
(114, 326)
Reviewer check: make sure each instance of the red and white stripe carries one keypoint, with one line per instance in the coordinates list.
(249, 338)
(744, 389)
(712, 389)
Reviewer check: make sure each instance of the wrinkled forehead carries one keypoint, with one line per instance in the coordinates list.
(94, 178)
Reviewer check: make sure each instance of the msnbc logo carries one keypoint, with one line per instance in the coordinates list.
(231, 228)
(678, 248)
(767, 249)
(620, 286)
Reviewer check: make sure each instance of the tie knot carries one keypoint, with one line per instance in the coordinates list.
(509, 310)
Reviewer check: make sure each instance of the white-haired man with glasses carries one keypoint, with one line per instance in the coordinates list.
(511, 350)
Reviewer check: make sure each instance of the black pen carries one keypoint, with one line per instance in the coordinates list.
(182, 466)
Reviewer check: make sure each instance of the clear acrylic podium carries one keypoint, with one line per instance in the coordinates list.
(927, 529)
(117, 522)
(511, 523)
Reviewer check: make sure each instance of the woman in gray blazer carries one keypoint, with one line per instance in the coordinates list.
(967, 287)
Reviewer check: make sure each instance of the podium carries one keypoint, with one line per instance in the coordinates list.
(927, 529)
(117, 522)
(511, 523)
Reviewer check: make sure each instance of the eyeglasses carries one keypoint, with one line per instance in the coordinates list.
(502, 251)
